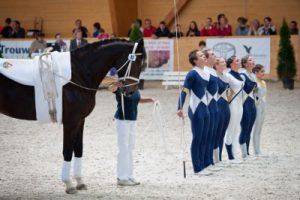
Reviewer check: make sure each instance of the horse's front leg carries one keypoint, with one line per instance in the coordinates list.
(71, 132)
(78, 148)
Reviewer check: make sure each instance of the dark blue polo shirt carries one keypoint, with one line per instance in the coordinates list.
(130, 106)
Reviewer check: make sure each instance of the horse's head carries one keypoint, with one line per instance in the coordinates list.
(129, 71)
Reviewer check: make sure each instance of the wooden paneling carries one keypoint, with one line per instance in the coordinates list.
(58, 15)
(156, 10)
(123, 13)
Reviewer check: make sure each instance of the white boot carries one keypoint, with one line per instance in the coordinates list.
(65, 177)
(78, 175)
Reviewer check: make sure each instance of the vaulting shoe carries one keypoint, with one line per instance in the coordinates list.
(204, 172)
(235, 161)
(134, 181)
(125, 183)
(213, 168)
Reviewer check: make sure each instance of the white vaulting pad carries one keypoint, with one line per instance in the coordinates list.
(26, 72)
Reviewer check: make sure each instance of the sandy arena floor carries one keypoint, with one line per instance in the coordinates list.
(31, 155)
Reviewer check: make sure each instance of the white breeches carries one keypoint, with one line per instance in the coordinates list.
(260, 116)
(126, 142)
(234, 127)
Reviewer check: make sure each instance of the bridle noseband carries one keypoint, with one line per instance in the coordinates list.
(131, 58)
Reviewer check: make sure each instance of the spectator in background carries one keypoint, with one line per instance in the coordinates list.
(162, 30)
(138, 23)
(193, 30)
(149, 30)
(104, 36)
(254, 26)
(224, 29)
(242, 28)
(98, 30)
(60, 43)
(17, 31)
(293, 28)
(209, 29)
(38, 45)
(7, 28)
(268, 28)
(78, 41)
(176, 32)
(78, 26)
(202, 45)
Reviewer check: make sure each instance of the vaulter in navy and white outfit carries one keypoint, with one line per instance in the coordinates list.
(195, 83)
(212, 97)
(249, 109)
(260, 95)
(223, 106)
(235, 98)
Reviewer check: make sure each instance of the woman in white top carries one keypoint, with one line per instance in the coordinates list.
(235, 99)
(260, 95)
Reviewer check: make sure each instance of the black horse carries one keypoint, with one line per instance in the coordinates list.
(89, 65)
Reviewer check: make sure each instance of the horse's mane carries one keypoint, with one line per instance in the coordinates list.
(101, 44)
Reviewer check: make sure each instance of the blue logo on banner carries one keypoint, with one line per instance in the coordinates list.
(13, 50)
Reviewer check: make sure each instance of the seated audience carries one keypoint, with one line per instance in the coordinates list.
(17, 31)
(223, 29)
(242, 28)
(209, 29)
(60, 43)
(7, 28)
(293, 28)
(176, 32)
(149, 30)
(254, 26)
(162, 30)
(193, 30)
(78, 41)
(98, 30)
(38, 45)
(268, 28)
(78, 26)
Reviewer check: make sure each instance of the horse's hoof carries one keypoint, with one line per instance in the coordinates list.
(71, 190)
(81, 187)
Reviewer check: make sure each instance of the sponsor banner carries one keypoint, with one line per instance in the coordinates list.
(258, 48)
(19, 49)
(160, 59)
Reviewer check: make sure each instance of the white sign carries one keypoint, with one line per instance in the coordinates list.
(160, 58)
(18, 48)
(258, 48)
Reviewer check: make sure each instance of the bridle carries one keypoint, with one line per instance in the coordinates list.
(131, 58)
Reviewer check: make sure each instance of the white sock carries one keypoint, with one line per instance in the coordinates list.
(77, 167)
(65, 175)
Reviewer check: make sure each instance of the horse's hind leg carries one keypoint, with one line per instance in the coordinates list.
(78, 158)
